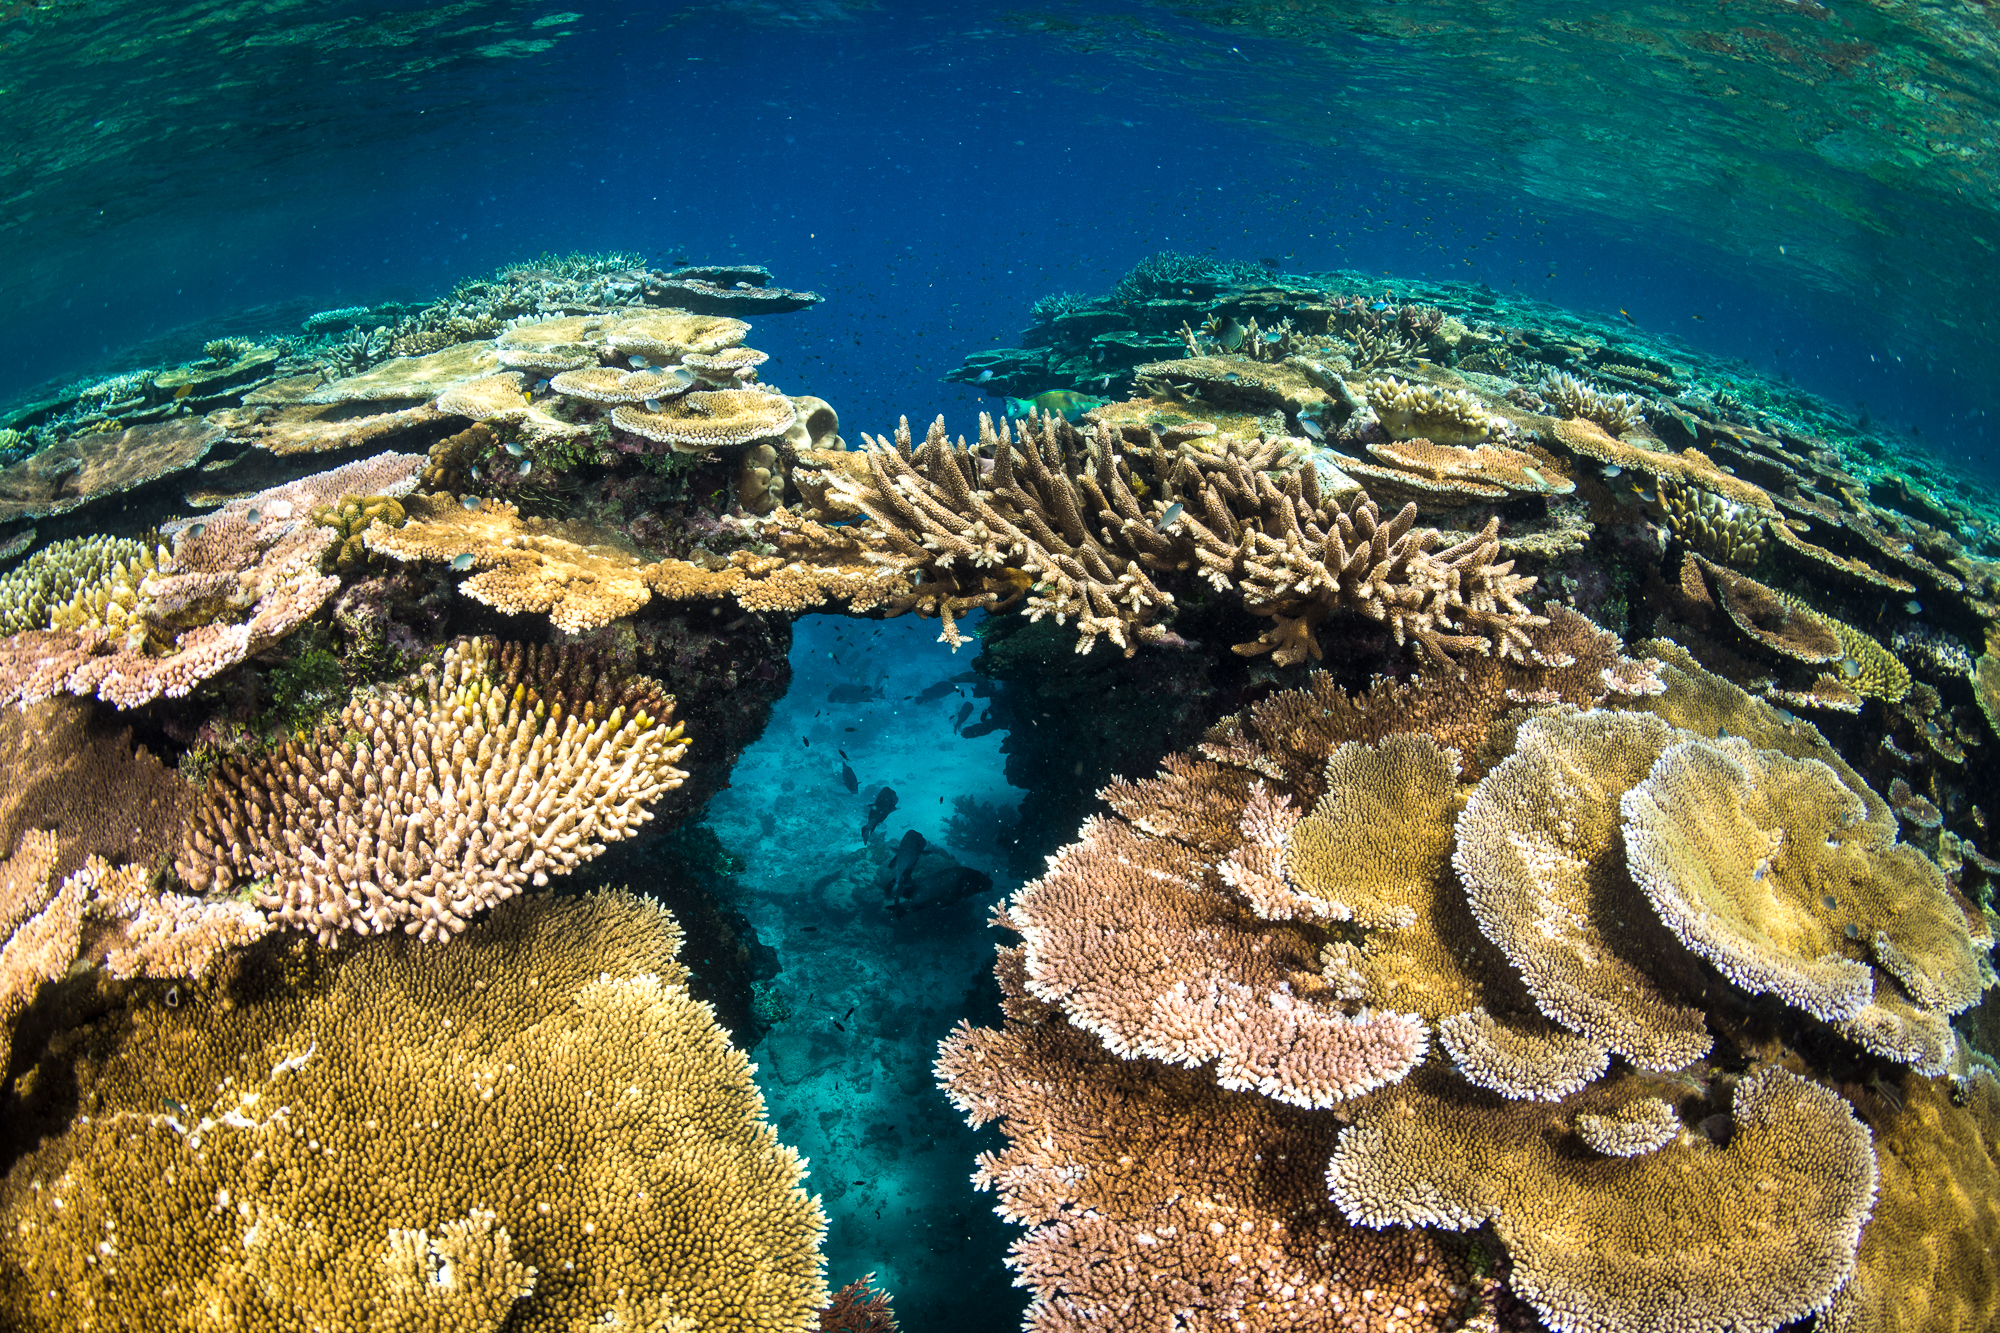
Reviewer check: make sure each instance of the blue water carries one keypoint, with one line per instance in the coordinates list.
(931, 170)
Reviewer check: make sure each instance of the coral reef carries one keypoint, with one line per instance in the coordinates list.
(1063, 531)
(424, 804)
(239, 580)
(87, 467)
(1273, 928)
(536, 1127)
(67, 573)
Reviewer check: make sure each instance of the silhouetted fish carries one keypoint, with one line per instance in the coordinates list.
(852, 694)
(848, 780)
(885, 801)
(964, 711)
(907, 852)
(937, 691)
(980, 728)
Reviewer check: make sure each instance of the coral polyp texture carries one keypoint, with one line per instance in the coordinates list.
(425, 803)
(536, 1128)
(1474, 1002)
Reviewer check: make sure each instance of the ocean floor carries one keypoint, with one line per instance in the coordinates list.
(870, 992)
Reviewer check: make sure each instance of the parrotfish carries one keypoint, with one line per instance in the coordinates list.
(848, 780)
(1065, 403)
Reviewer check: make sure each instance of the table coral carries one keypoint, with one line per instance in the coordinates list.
(1155, 1199)
(428, 802)
(710, 419)
(1765, 866)
(86, 467)
(239, 580)
(1692, 1235)
(1256, 913)
(1540, 852)
(535, 1127)
(580, 577)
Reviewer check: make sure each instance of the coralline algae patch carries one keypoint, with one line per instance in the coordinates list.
(847, 1074)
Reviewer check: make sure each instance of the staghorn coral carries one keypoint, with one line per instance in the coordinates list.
(1766, 866)
(536, 1128)
(1408, 410)
(1689, 1236)
(1062, 529)
(426, 803)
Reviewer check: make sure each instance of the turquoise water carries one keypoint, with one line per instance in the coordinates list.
(1772, 226)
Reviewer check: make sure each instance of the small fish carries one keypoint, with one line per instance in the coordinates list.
(1612, 470)
(637, 362)
(528, 397)
(848, 780)
(473, 472)
(514, 447)
(462, 561)
(195, 531)
(651, 404)
(183, 392)
(1914, 607)
(1379, 305)
(1628, 319)
(1535, 476)
(527, 466)
(541, 386)
(1172, 515)
(469, 501)
(1065, 403)
(983, 377)
(252, 516)
(1311, 428)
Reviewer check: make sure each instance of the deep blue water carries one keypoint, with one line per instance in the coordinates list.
(930, 169)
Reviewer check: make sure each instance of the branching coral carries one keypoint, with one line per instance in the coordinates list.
(1567, 396)
(1411, 410)
(1053, 518)
(67, 573)
(428, 802)
(536, 1128)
